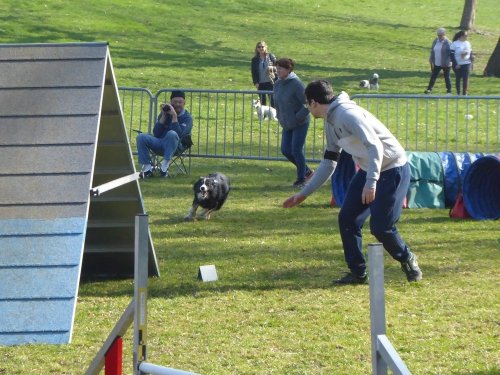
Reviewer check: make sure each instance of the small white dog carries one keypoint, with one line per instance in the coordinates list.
(371, 84)
(264, 111)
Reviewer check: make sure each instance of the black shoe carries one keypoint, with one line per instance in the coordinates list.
(427, 91)
(411, 269)
(164, 174)
(350, 278)
(146, 174)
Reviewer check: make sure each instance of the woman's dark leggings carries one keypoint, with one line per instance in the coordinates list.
(462, 74)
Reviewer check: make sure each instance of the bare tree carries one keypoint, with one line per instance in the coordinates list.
(493, 66)
(468, 15)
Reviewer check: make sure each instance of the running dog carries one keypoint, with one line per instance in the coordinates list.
(264, 111)
(210, 193)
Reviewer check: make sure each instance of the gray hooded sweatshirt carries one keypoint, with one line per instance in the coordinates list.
(352, 128)
(290, 101)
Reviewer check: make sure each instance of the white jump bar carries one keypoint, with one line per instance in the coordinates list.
(114, 184)
(149, 368)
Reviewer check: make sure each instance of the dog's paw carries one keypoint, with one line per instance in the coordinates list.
(188, 218)
(205, 215)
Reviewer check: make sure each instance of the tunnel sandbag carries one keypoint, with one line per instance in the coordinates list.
(344, 172)
(427, 180)
(481, 188)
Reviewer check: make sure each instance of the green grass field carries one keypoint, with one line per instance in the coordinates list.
(209, 44)
(273, 310)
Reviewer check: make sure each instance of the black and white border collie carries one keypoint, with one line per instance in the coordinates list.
(210, 193)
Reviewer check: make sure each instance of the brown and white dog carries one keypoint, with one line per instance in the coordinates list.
(210, 193)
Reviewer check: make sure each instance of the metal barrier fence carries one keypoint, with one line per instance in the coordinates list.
(225, 124)
(439, 123)
(137, 106)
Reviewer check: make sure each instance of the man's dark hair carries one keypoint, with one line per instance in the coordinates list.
(320, 91)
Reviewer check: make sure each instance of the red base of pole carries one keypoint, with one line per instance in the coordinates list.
(113, 362)
(332, 202)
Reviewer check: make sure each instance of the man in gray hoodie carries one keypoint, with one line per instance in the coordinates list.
(377, 189)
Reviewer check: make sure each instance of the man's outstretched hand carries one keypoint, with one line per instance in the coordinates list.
(294, 201)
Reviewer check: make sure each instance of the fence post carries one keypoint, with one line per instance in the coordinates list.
(377, 303)
(383, 353)
(140, 291)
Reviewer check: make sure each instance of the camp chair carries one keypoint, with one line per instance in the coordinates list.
(178, 162)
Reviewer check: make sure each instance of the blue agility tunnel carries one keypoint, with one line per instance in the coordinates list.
(455, 166)
(481, 188)
(452, 179)
(436, 180)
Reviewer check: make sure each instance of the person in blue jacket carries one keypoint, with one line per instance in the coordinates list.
(173, 124)
(293, 116)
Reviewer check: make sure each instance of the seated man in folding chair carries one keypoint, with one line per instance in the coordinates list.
(173, 123)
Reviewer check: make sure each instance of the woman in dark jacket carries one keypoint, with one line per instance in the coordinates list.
(293, 117)
(263, 68)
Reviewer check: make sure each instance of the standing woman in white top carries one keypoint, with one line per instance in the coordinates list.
(440, 59)
(461, 57)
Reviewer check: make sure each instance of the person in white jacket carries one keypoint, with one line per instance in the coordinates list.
(377, 189)
(461, 57)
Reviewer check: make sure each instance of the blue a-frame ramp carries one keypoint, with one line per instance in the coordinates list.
(62, 133)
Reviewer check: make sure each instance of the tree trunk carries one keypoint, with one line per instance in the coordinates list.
(468, 15)
(493, 66)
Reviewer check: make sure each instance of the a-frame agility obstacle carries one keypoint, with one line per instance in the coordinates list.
(63, 143)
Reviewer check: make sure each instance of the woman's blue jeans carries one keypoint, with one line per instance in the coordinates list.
(385, 211)
(292, 147)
